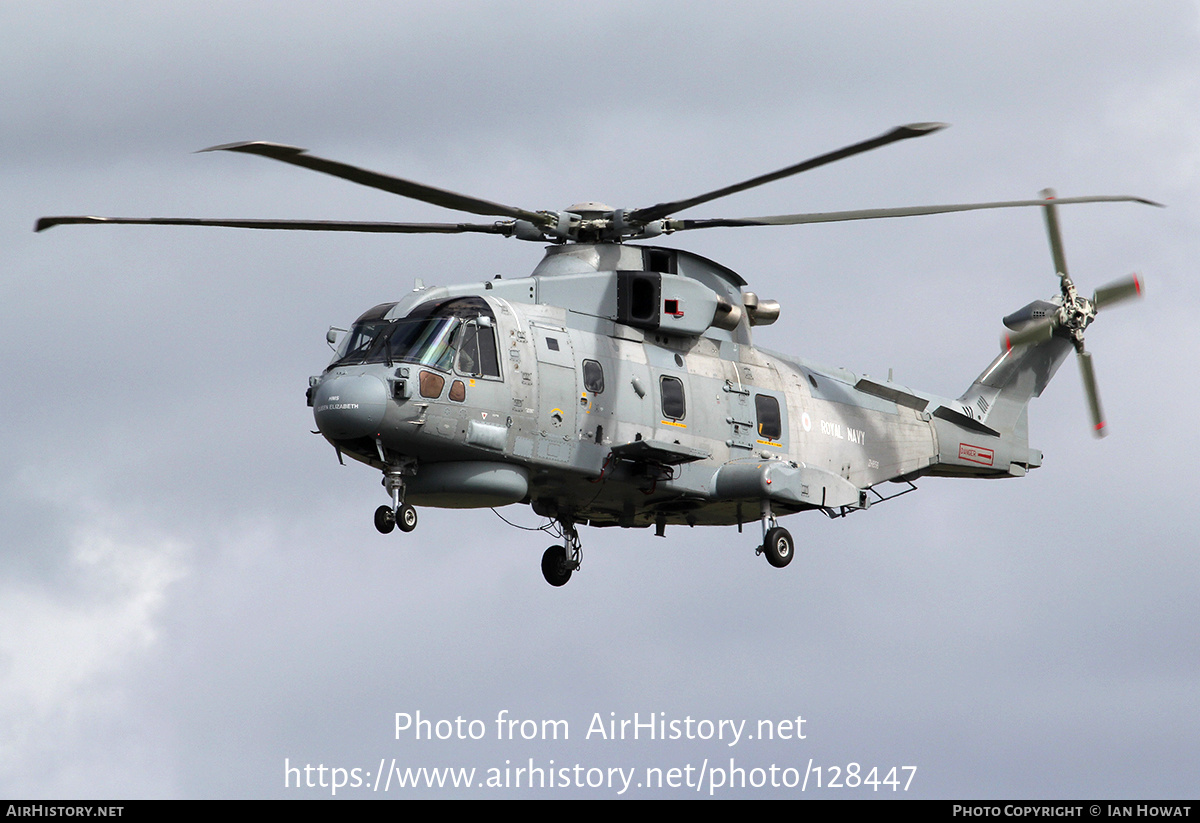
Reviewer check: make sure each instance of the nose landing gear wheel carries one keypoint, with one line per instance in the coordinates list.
(406, 518)
(385, 520)
(554, 566)
(778, 547)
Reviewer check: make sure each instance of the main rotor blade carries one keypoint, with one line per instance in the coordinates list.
(298, 225)
(1117, 292)
(661, 210)
(395, 185)
(1089, 386)
(1056, 246)
(872, 214)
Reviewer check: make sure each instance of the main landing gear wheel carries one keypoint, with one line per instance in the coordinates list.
(778, 547)
(385, 520)
(554, 566)
(406, 518)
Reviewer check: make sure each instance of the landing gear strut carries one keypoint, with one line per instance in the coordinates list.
(399, 513)
(559, 561)
(777, 542)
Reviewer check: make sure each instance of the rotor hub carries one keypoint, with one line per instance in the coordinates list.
(591, 210)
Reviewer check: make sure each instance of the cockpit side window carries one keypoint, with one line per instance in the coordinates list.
(477, 350)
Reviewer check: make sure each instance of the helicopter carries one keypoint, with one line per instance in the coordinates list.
(618, 384)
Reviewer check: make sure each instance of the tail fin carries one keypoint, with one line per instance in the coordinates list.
(999, 396)
(990, 426)
(986, 432)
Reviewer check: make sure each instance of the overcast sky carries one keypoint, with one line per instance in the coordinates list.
(192, 593)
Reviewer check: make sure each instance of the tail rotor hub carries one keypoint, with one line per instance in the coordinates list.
(1076, 312)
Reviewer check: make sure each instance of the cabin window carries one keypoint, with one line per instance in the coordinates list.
(673, 406)
(593, 376)
(770, 425)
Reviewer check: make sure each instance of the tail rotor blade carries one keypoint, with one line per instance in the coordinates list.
(1089, 386)
(1056, 246)
(1118, 292)
(1036, 332)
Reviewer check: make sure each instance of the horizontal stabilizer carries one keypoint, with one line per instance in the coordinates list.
(958, 418)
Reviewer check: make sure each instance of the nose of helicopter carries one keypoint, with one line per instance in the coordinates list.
(350, 406)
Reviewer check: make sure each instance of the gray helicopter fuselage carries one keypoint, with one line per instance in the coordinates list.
(645, 402)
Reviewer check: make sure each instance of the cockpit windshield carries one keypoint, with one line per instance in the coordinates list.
(426, 340)
(429, 335)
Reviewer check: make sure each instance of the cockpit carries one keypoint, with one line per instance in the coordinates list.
(457, 334)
